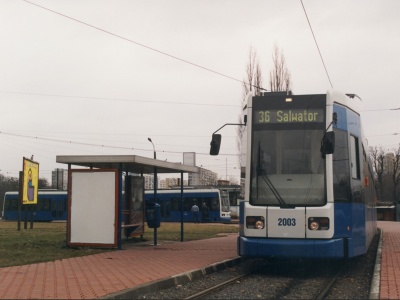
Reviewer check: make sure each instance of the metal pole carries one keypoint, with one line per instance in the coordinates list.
(21, 178)
(120, 207)
(155, 189)
(155, 200)
(69, 187)
(31, 208)
(181, 206)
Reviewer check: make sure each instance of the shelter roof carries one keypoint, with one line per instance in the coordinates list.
(128, 163)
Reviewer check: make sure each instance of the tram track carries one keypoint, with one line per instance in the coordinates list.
(327, 286)
(281, 279)
(290, 287)
(217, 287)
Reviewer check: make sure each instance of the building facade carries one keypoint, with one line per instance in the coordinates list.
(203, 177)
(59, 179)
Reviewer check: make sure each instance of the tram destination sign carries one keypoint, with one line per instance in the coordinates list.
(283, 116)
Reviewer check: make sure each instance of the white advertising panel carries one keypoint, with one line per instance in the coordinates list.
(93, 208)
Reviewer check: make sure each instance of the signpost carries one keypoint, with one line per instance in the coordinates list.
(30, 183)
(29, 186)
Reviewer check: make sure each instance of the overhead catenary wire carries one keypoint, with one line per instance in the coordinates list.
(316, 43)
(382, 109)
(101, 145)
(119, 99)
(145, 46)
(111, 134)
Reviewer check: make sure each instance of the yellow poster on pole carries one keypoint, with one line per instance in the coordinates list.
(30, 182)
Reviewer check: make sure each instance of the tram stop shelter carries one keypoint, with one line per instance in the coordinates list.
(106, 196)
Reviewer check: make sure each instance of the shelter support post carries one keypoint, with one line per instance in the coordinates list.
(181, 206)
(120, 202)
(155, 199)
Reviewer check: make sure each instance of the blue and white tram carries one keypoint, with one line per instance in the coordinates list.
(170, 204)
(309, 189)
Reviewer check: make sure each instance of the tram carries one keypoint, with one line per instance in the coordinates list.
(51, 206)
(216, 201)
(309, 187)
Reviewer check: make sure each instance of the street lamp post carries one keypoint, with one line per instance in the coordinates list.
(154, 148)
(226, 169)
(155, 171)
(155, 189)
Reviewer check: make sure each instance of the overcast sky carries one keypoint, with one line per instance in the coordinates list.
(101, 76)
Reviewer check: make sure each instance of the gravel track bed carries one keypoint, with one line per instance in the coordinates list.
(282, 280)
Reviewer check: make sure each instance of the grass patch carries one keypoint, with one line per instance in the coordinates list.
(47, 241)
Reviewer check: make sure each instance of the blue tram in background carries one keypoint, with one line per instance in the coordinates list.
(51, 206)
(170, 201)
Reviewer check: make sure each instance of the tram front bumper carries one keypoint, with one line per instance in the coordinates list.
(290, 248)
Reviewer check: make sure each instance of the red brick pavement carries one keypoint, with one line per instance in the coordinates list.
(390, 261)
(98, 275)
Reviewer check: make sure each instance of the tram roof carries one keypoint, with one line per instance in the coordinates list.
(128, 163)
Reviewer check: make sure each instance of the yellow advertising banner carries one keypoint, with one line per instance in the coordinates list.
(30, 183)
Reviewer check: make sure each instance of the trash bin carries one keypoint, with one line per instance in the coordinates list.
(153, 215)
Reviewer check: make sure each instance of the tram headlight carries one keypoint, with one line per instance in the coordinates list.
(259, 224)
(318, 223)
(255, 222)
(314, 225)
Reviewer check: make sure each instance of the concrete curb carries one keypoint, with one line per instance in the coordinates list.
(135, 292)
(376, 278)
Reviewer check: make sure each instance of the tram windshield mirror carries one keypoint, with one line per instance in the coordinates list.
(328, 143)
(215, 144)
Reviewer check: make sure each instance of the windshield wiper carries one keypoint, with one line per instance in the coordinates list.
(274, 191)
(263, 173)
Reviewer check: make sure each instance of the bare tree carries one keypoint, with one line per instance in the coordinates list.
(233, 180)
(395, 170)
(252, 82)
(378, 156)
(387, 169)
(279, 76)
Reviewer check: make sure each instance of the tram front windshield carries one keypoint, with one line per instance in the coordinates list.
(225, 206)
(287, 169)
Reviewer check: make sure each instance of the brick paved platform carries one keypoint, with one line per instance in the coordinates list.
(116, 273)
(390, 260)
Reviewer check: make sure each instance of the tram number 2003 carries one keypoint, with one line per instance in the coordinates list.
(286, 222)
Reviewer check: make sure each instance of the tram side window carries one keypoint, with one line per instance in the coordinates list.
(207, 202)
(193, 201)
(214, 204)
(233, 198)
(44, 204)
(175, 204)
(165, 209)
(187, 203)
(341, 167)
(355, 157)
(11, 204)
(65, 201)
